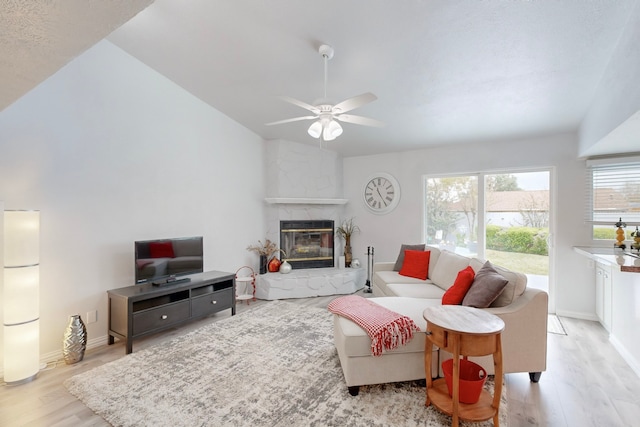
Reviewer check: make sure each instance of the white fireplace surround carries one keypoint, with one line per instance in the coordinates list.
(311, 282)
(304, 182)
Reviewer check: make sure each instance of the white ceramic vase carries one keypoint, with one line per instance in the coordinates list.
(285, 267)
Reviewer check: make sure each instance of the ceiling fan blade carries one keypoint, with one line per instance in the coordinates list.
(353, 103)
(300, 104)
(358, 120)
(295, 119)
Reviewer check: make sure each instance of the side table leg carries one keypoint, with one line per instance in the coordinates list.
(456, 380)
(428, 352)
(497, 390)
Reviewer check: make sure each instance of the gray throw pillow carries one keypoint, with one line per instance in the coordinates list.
(400, 260)
(487, 285)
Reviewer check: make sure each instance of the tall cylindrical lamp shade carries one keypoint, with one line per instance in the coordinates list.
(21, 296)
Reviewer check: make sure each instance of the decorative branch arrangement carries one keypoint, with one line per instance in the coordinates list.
(346, 229)
(267, 251)
(268, 248)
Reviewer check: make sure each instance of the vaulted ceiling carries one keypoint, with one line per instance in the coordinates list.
(443, 71)
(37, 38)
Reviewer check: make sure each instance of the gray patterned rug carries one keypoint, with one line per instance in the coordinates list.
(273, 365)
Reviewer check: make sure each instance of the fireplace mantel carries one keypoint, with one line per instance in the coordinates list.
(304, 201)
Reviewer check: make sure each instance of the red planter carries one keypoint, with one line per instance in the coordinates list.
(472, 379)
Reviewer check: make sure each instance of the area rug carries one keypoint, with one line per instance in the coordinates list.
(273, 365)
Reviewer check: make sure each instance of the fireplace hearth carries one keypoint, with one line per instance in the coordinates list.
(307, 243)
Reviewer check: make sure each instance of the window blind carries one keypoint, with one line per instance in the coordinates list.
(613, 189)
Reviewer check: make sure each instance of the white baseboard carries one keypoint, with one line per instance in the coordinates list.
(55, 356)
(633, 362)
(577, 315)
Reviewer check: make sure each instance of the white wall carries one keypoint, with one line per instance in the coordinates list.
(112, 152)
(617, 97)
(404, 225)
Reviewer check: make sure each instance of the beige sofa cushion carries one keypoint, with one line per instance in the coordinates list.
(395, 277)
(359, 343)
(517, 283)
(447, 268)
(412, 290)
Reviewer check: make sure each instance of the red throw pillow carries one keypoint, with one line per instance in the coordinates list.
(161, 250)
(416, 264)
(455, 294)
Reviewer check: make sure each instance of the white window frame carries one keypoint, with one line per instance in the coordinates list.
(615, 172)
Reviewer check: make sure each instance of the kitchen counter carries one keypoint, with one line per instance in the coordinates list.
(614, 257)
(617, 299)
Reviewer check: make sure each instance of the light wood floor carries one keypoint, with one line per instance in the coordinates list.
(586, 383)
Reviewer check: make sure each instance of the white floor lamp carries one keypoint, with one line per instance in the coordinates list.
(21, 296)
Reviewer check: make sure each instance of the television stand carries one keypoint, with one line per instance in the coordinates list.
(135, 311)
(170, 281)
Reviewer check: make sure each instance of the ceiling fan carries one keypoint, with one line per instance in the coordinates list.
(328, 116)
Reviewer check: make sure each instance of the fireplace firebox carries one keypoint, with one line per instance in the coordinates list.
(307, 243)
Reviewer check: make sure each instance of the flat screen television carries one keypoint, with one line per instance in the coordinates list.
(161, 261)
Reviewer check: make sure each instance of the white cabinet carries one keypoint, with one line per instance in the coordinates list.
(617, 296)
(603, 295)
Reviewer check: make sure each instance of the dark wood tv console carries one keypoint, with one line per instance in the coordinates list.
(140, 310)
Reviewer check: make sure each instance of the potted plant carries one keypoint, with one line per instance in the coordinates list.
(266, 251)
(345, 231)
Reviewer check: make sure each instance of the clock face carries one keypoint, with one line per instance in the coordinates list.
(381, 193)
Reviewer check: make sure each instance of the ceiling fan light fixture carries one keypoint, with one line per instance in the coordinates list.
(325, 113)
(315, 130)
(326, 135)
(332, 130)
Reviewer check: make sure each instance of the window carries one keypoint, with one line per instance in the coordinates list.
(613, 193)
(504, 217)
(452, 212)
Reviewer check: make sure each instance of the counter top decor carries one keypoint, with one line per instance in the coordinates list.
(635, 246)
(626, 261)
(620, 234)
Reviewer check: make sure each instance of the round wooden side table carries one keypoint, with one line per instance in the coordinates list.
(463, 331)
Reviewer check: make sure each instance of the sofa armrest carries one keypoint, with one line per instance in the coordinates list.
(523, 302)
(525, 334)
(383, 266)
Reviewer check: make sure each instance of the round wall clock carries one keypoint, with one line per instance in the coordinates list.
(381, 193)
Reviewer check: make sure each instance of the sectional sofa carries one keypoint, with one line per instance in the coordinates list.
(523, 310)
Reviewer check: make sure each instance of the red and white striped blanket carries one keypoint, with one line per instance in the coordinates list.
(387, 329)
